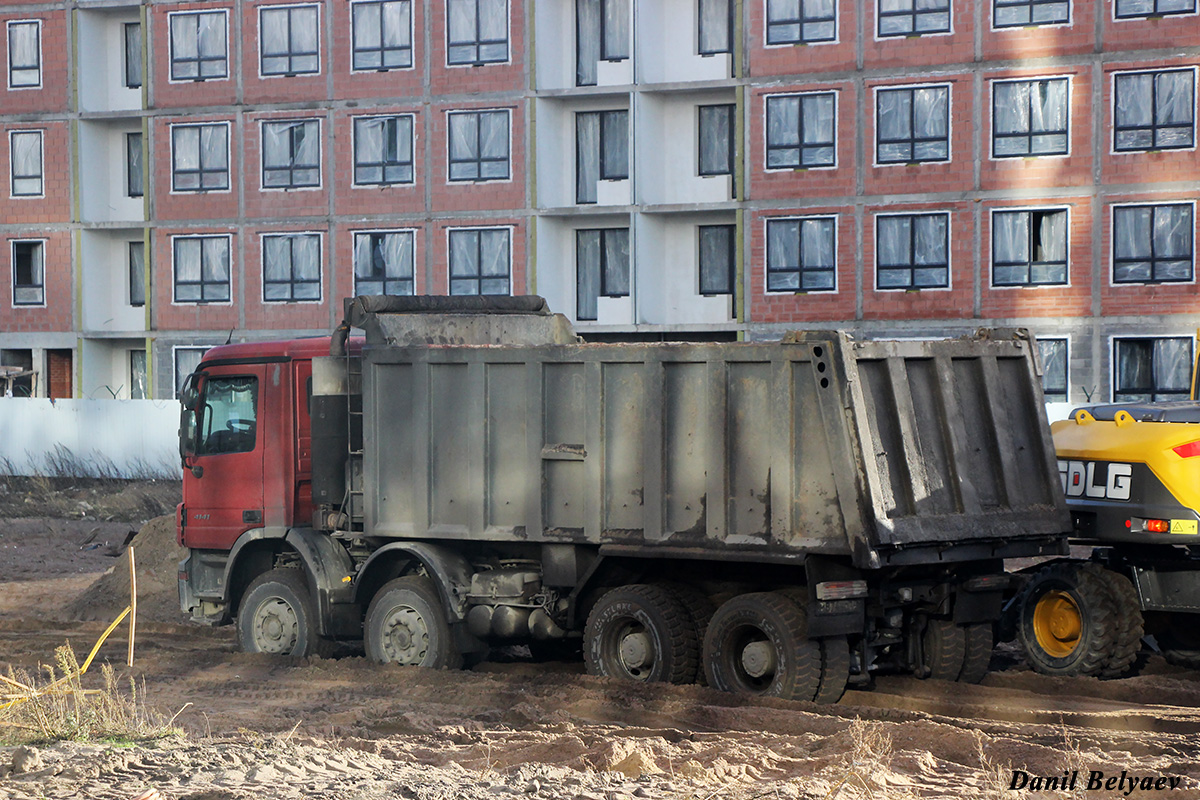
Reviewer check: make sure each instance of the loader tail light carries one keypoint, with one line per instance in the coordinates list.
(987, 583)
(1158, 525)
(1189, 450)
(841, 590)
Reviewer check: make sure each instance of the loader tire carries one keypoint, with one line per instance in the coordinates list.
(978, 653)
(1067, 620)
(1130, 625)
(641, 633)
(758, 644)
(943, 646)
(1180, 643)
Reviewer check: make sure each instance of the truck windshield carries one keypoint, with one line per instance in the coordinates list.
(229, 415)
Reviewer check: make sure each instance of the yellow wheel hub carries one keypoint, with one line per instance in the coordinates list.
(1057, 624)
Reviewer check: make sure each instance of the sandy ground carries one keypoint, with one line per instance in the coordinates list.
(265, 727)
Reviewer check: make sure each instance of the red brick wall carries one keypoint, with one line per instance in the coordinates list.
(211, 92)
(392, 83)
(55, 203)
(281, 89)
(1176, 30)
(284, 203)
(168, 315)
(52, 96)
(58, 313)
(402, 198)
(469, 196)
(59, 380)
(279, 315)
(1076, 36)
(342, 261)
(802, 306)
(497, 77)
(955, 47)
(216, 204)
(1143, 300)
(439, 242)
(1142, 166)
(817, 181)
(799, 59)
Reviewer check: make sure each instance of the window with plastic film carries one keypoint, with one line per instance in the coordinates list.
(383, 150)
(138, 375)
(199, 158)
(714, 27)
(602, 268)
(1133, 9)
(1029, 248)
(186, 359)
(1151, 370)
(289, 40)
(199, 50)
(912, 125)
(480, 261)
(602, 33)
(801, 131)
(228, 416)
(201, 269)
(478, 144)
(801, 21)
(913, 17)
(24, 54)
(477, 32)
(1154, 110)
(1029, 118)
(132, 36)
(383, 263)
(912, 251)
(1153, 244)
(26, 168)
(29, 273)
(1053, 353)
(1023, 13)
(717, 259)
(291, 267)
(382, 34)
(601, 151)
(291, 154)
(137, 274)
(801, 255)
(716, 140)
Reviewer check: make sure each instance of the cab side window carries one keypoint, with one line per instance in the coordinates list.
(230, 415)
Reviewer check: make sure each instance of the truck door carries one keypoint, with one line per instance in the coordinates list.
(223, 463)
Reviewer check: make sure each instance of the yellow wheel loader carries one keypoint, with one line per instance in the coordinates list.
(1131, 476)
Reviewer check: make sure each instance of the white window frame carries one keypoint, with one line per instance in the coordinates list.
(767, 290)
(262, 265)
(511, 244)
(1066, 340)
(414, 232)
(262, 154)
(766, 132)
(991, 114)
(224, 12)
(991, 255)
(949, 251)
(1112, 242)
(259, 44)
(1158, 15)
(412, 44)
(354, 184)
(228, 156)
(1112, 111)
(1112, 353)
(41, 133)
(176, 377)
(915, 34)
(41, 68)
(12, 266)
(201, 303)
(508, 12)
(462, 111)
(874, 143)
(837, 29)
(1068, 23)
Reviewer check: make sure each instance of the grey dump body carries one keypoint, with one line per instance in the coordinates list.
(881, 452)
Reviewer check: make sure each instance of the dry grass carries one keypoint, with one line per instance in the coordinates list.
(866, 765)
(55, 706)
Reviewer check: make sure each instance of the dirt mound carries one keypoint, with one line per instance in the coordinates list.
(157, 556)
(102, 499)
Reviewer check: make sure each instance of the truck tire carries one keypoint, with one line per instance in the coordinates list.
(943, 649)
(758, 644)
(835, 669)
(1130, 627)
(978, 652)
(277, 616)
(407, 625)
(1180, 643)
(1067, 621)
(641, 633)
(700, 610)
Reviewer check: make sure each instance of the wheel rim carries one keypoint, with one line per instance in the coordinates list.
(276, 627)
(405, 636)
(754, 660)
(636, 655)
(1057, 623)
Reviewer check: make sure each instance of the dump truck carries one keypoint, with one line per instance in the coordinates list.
(1131, 476)
(781, 518)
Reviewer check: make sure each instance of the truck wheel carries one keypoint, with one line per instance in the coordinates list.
(758, 644)
(835, 669)
(700, 610)
(943, 648)
(1066, 621)
(978, 652)
(407, 625)
(277, 616)
(1130, 626)
(642, 633)
(1180, 643)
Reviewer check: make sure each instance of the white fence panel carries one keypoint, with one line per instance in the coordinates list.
(89, 438)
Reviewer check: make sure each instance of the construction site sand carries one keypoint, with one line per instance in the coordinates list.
(265, 727)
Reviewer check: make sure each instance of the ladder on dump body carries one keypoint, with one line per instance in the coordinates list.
(354, 421)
